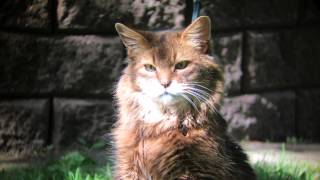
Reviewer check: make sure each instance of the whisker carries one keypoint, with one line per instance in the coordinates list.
(198, 86)
(199, 91)
(190, 101)
(201, 86)
(197, 96)
(194, 95)
(204, 98)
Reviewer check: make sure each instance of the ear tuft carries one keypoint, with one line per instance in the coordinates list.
(132, 39)
(197, 34)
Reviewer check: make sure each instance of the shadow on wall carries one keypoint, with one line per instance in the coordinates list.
(261, 116)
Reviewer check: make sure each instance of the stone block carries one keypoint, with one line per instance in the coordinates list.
(77, 120)
(308, 113)
(24, 125)
(59, 64)
(261, 116)
(283, 59)
(101, 15)
(24, 14)
(244, 13)
(228, 49)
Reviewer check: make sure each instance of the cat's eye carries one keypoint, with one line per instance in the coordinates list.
(181, 65)
(149, 67)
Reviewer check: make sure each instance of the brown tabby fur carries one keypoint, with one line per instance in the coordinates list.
(186, 142)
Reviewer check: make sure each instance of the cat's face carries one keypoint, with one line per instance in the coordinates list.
(164, 71)
(171, 67)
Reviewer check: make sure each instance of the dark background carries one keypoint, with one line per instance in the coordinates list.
(60, 58)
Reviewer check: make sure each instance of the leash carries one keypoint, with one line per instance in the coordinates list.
(196, 9)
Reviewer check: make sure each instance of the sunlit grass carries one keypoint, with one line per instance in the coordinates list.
(286, 170)
(78, 166)
(73, 166)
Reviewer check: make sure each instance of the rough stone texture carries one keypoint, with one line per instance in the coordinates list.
(308, 113)
(101, 15)
(76, 120)
(243, 13)
(283, 60)
(71, 64)
(228, 48)
(24, 13)
(261, 116)
(23, 125)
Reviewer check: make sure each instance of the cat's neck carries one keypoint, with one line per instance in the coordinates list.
(155, 119)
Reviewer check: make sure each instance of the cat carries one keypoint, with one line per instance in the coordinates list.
(168, 126)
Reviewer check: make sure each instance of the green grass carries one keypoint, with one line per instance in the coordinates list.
(284, 171)
(72, 166)
(77, 166)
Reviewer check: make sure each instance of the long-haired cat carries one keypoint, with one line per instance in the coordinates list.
(168, 126)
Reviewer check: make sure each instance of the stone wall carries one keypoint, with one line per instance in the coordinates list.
(59, 60)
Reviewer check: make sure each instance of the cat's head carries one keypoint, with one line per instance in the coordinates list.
(172, 66)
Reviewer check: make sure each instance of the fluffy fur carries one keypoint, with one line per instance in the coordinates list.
(168, 126)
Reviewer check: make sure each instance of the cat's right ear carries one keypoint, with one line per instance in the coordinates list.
(197, 34)
(133, 41)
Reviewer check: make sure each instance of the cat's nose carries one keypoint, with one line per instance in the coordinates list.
(165, 84)
(164, 77)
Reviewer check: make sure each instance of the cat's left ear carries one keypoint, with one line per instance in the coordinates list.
(133, 40)
(197, 34)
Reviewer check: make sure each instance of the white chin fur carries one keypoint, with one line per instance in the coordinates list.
(167, 98)
(154, 97)
(154, 89)
(150, 111)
